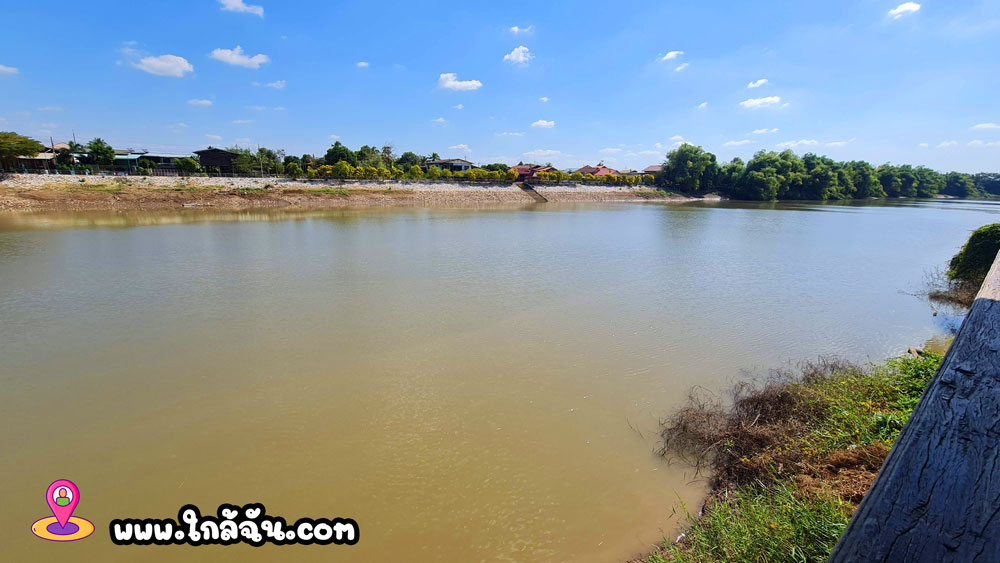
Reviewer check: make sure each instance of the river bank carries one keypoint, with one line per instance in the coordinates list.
(36, 192)
(790, 459)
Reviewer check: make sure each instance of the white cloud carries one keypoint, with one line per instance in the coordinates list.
(510, 134)
(50, 108)
(677, 138)
(520, 56)
(764, 131)
(736, 143)
(986, 126)
(924, 145)
(539, 154)
(56, 125)
(277, 84)
(440, 121)
(681, 67)
(213, 137)
(757, 103)
(904, 9)
(279, 108)
(236, 57)
(978, 143)
(202, 103)
(671, 55)
(257, 108)
(542, 124)
(647, 153)
(794, 144)
(544, 99)
(702, 105)
(165, 65)
(7, 70)
(239, 6)
(362, 64)
(610, 150)
(757, 83)
(461, 147)
(459, 106)
(176, 127)
(519, 30)
(243, 141)
(450, 81)
(840, 143)
(946, 144)
(242, 121)
(335, 137)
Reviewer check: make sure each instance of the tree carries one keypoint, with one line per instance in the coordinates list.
(408, 159)
(65, 157)
(101, 153)
(293, 170)
(388, 156)
(338, 153)
(186, 165)
(145, 166)
(690, 169)
(368, 156)
(497, 166)
(13, 145)
(865, 179)
(987, 183)
(888, 176)
(960, 185)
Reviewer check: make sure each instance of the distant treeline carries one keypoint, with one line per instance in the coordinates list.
(772, 176)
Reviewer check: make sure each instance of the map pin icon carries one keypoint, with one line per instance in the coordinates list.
(62, 496)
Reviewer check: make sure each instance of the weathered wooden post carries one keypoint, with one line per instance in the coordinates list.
(937, 497)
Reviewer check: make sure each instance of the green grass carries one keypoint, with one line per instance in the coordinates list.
(770, 518)
(758, 524)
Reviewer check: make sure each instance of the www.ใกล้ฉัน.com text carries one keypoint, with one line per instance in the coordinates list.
(248, 524)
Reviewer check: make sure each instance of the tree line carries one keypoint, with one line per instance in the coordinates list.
(771, 175)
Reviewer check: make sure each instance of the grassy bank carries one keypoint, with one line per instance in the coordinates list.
(790, 458)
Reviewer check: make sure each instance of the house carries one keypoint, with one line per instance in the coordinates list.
(453, 164)
(629, 173)
(41, 161)
(127, 160)
(599, 170)
(218, 158)
(527, 171)
(164, 161)
(654, 169)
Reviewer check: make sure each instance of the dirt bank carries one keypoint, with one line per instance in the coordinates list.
(34, 192)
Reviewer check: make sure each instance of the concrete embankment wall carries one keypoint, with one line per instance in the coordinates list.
(937, 496)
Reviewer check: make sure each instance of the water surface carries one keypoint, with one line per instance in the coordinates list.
(471, 384)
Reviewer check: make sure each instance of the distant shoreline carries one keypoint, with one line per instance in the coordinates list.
(38, 192)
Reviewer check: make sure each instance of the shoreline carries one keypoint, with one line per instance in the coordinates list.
(29, 192)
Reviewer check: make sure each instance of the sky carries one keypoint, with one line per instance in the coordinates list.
(570, 83)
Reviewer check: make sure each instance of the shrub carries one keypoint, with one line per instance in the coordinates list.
(293, 170)
(973, 262)
(414, 172)
(433, 173)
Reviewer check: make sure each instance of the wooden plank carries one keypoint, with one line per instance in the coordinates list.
(937, 497)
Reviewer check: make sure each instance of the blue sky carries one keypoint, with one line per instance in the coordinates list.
(570, 83)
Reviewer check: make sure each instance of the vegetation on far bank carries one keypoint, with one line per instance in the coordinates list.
(790, 459)
(688, 170)
(771, 175)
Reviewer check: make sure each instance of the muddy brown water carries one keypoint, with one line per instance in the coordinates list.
(470, 384)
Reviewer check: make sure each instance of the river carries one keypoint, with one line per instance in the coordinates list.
(468, 384)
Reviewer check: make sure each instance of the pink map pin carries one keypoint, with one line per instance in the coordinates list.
(62, 496)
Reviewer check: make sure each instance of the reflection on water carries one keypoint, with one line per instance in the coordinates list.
(469, 384)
